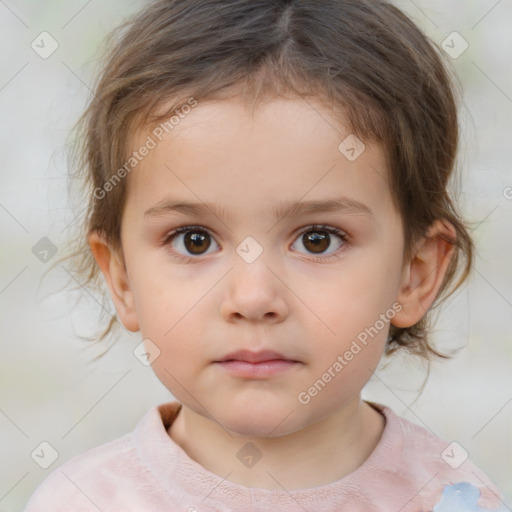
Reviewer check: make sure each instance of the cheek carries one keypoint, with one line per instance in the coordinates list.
(355, 297)
(174, 314)
(355, 308)
(164, 297)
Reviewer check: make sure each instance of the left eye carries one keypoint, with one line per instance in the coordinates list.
(195, 242)
(317, 239)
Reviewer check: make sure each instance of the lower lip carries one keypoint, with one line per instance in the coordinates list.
(256, 370)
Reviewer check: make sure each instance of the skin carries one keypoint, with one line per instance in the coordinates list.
(308, 305)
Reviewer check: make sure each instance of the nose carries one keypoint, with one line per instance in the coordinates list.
(254, 292)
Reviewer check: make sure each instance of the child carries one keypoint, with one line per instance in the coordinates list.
(307, 145)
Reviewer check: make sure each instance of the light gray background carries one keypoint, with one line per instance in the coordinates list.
(50, 389)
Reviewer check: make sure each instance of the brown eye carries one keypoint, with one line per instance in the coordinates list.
(189, 241)
(319, 239)
(196, 242)
(316, 241)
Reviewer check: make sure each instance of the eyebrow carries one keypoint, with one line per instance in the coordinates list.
(295, 208)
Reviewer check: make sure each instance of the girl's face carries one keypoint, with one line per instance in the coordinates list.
(251, 272)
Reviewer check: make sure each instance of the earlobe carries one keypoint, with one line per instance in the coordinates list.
(424, 274)
(113, 268)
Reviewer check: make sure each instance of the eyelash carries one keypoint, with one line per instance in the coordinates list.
(316, 227)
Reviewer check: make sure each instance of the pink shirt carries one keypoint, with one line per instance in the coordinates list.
(147, 471)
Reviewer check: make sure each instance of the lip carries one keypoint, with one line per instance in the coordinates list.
(254, 357)
(261, 370)
(256, 365)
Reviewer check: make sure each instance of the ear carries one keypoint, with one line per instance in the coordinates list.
(424, 274)
(113, 268)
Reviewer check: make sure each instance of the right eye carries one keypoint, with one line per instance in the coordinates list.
(195, 242)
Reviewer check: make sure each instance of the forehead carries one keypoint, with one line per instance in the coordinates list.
(285, 149)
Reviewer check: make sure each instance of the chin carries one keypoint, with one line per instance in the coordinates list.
(254, 430)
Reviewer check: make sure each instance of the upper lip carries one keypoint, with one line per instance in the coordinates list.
(254, 357)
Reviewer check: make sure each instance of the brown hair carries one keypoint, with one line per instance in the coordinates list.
(364, 58)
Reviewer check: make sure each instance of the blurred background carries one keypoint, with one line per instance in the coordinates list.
(52, 391)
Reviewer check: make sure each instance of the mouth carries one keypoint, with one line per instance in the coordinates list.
(254, 357)
(263, 364)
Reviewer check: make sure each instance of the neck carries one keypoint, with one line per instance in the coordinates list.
(329, 449)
